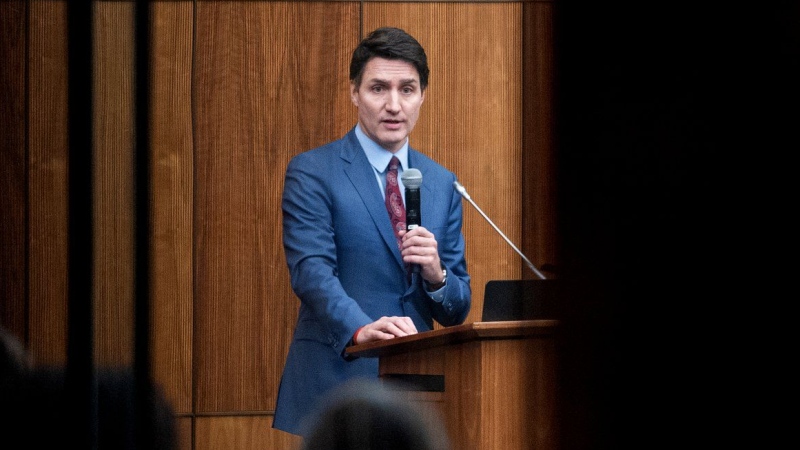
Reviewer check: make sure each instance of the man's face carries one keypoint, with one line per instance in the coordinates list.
(388, 101)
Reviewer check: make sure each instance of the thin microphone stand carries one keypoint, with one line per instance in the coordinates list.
(461, 190)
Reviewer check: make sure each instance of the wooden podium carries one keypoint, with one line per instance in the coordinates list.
(492, 383)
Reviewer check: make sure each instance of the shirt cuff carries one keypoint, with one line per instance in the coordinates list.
(355, 335)
(437, 295)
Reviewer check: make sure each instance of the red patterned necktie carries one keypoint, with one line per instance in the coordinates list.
(394, 201)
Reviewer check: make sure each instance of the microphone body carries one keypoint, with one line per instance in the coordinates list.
(413, 217)
(412, 180)
(461, 190)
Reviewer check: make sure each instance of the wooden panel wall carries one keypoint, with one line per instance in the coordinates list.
(172, 204)
(113, 203)
(270, 80)
(540, 222)
(13, 167)
(471, 119)
(47, 181)
(238, 88)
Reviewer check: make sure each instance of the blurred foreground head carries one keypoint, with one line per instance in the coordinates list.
(366, 415)
(38, 410)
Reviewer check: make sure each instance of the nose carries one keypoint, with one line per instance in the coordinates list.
(393, 102)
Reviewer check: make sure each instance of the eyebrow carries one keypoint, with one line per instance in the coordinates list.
(402, 82)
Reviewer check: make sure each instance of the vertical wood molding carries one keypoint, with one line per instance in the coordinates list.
(539, 206)
(13, 168)
(113, 182)
(48, 201)
(172, 191)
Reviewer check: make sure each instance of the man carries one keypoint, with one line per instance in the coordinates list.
(358, 277)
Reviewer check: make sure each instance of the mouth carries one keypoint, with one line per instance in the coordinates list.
(392, 123)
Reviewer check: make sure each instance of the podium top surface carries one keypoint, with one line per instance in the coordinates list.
(455, 335)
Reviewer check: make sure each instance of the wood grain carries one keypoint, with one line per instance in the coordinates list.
(241, 433)
(270, 81)
(539, 188)
(500, 381)
(471, 119)
(238, 89)
(172, 190)
(13, 169)
(113, 183)
(47, 180)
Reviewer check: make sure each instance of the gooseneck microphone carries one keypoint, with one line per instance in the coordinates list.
(461, 190)
(412, 180)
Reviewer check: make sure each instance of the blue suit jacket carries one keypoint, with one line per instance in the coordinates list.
(347, 271)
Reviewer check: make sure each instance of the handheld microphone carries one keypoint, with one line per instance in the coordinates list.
(461, 190)
(412, 180)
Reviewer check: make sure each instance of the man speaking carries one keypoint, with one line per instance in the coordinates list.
(360, 272)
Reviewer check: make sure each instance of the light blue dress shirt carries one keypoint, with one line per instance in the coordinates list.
(379, 158)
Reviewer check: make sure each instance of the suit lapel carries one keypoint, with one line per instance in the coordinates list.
(360, 173)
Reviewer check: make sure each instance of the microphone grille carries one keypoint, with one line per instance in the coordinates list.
(412, 178)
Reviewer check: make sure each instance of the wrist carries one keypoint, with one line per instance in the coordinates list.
(440, 284)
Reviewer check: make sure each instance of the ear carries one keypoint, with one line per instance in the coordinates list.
(422, 96)
(354, 93)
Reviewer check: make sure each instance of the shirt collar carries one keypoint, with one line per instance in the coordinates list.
(378, 156)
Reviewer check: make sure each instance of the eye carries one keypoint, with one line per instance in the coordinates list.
(408, 89)
(377, 88)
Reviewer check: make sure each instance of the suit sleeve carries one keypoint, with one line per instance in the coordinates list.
(308, 239)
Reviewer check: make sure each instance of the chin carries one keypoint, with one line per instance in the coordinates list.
(392, 141)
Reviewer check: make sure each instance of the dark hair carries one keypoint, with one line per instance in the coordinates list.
(38, 411)
(367, 415)
(389, 43)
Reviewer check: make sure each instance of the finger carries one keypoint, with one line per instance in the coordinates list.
(421, 231)
(409, 325)
(426, 259)
(404, 324)
(393, 325)
(420, 241)
(418, 232)
(371, 334)
(389, 327)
